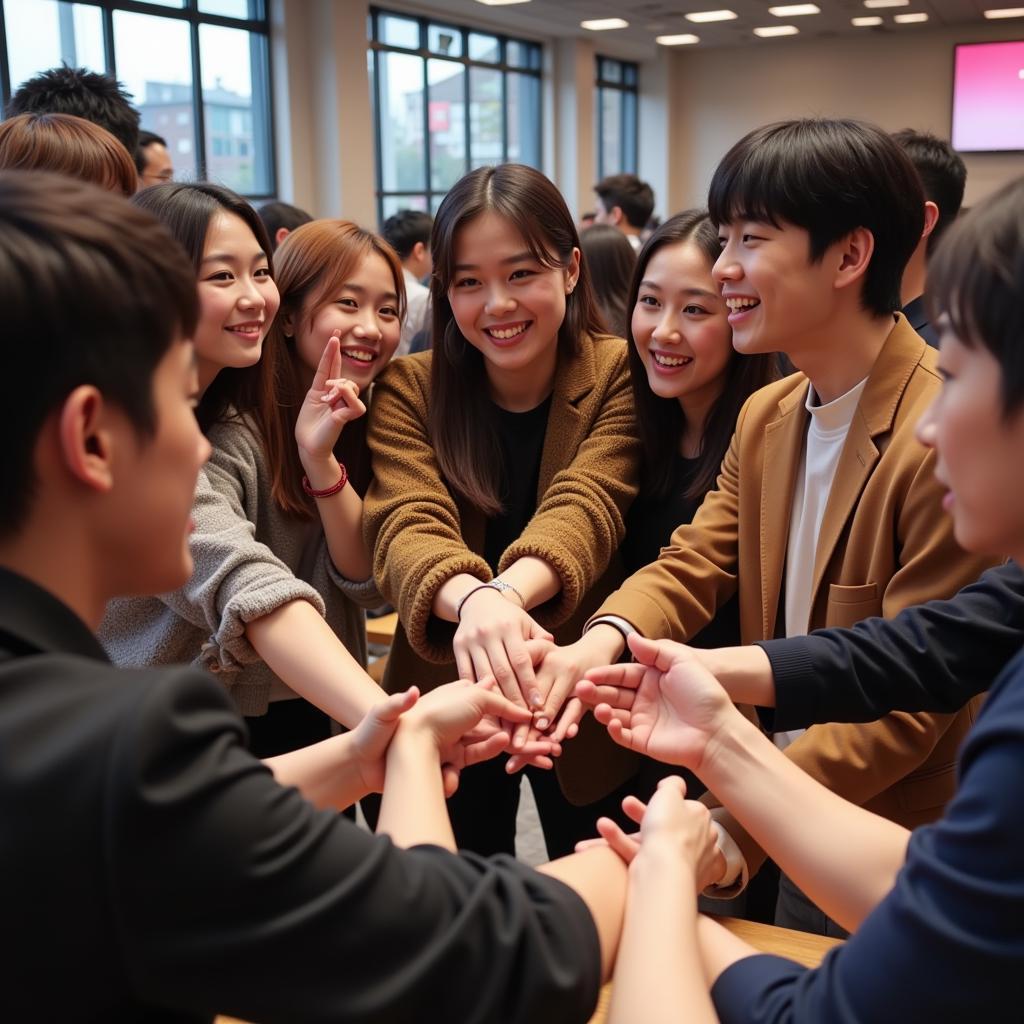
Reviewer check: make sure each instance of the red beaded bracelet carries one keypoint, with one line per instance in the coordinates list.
(328, 491)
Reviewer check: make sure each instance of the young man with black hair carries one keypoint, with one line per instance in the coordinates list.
(281, 219)
(943, 177)
(149, 864)
(826, 510)
(152, 160)
(408, 233)
(625, 202)
(88, 94)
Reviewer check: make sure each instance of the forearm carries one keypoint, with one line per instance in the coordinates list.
(304, 652)
(326, 773)
(413, 809)
(599, 878)
(534, 578)
(341, 516)
(844, 858)
(658, 975)
(744, 672)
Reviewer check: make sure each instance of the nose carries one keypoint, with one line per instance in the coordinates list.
(726, 267)
(667, 328)
(251, 297)
(203, 447)
(926, 430)
(367, 325)
(499, 302)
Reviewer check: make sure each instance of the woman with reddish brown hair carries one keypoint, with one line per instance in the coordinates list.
(67, 145)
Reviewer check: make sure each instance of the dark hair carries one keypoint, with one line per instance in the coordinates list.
(828, 177)
(611, 261)
(313, 263)
(660, 421)
(276, 215)
(467, 451)
(405, 228)
(633, 197)
(97, 287)
(146, 139)
(943, 175)
(98, 98)
(66, 145)
(976, 277)
(187, 208)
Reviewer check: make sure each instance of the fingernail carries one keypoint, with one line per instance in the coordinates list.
(536, 699)
(542, 723)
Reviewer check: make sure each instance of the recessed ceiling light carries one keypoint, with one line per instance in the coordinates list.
(1005, 12)
(868, 22)
(910, 19)
(681, 40)
(794, 10)
(700, 17)
(776, 30)
(604, 24)
(502, 3)
(878, 4)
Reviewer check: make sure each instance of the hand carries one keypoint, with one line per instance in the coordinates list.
(492, 640)
(371, 737)
(331, 402)
(666, 706)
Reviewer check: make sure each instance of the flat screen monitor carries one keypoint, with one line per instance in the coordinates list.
(988, 97)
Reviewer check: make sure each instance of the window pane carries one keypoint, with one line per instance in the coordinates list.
(42, 33)
(629, 132)
(154, 61)
(485, 127)
(435, 202)
(483, 47)
(447, 112)
(235, 108)
(522, 55)
(390, 205)
(522, 108)
(445, 40)
(400, 103)
(609, 70)
(610, 129)
(629, 74)
(398, 31)
(251, 9)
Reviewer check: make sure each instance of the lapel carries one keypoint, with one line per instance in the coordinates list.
(873, 417)
(783, 443)
(575, 377)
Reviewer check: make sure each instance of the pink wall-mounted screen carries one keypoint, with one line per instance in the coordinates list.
(988, 97)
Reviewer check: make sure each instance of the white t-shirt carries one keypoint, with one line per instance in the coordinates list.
(417, 300)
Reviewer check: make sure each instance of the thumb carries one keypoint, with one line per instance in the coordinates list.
(395, 706)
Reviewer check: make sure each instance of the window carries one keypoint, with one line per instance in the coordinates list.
(616, 116)
(198, 71)
(447, 99)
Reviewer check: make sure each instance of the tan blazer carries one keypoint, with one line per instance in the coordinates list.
(884, 544)
(421, 535)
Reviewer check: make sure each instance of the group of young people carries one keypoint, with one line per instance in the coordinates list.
(249, 467)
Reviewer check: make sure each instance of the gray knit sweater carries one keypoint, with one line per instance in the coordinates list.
(250, 559)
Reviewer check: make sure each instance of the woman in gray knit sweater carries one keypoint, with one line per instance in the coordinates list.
(272, 607)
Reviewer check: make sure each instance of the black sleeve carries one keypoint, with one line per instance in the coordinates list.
(234, 895)
(932, 657)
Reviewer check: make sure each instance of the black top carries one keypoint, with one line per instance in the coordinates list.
(917, 317)
(151, 869)
(931, 657)
(649, 527)
(520, 438)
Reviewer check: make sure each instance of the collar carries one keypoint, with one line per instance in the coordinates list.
(34, 621)
(915, 313)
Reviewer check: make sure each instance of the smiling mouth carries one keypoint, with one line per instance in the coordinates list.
(247, 329)
(739, 304)
(671, 362)
(507, 332)
(360, 355)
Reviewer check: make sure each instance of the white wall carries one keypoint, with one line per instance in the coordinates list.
(898, 80)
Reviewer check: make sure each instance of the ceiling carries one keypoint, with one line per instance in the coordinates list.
(650, 18)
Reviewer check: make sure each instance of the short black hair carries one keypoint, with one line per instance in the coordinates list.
(635, 198)
(94, 291)
(828, 177)
(98, 98)
(404, 229)
(146, 139)
(976, 277)
(276, 215)
(943, 175)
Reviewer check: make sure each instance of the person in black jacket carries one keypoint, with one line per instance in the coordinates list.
(151, 867)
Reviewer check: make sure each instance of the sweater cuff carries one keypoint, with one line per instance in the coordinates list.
(363, 593)
(796, 683)
(755, 989)
(560, 608)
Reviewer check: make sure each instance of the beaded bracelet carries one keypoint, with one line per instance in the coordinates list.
(327, 491)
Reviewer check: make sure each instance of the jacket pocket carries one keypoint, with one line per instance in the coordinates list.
(847, 605)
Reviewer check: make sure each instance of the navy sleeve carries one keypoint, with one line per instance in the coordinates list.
(932, 657)
(236, 896)
(946, 945)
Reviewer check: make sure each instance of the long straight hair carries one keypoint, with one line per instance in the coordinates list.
(313, 263)
(661, 421)
(186, 209)
(460, 412)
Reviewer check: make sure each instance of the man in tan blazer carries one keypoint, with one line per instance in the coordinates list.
(826, 510)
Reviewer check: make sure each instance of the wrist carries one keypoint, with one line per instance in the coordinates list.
(322, 470)
(602, 644)
(727, 748)
(662, 853)
(744, 672)
(413, 739)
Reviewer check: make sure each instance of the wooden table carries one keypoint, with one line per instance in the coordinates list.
(382, 630)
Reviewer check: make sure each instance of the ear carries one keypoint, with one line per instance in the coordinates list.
(87, 438)
(616, 215)
(855, 252)
(419, 250)
(931, 218)
(287, 323)
(280, 235)
(572, 271)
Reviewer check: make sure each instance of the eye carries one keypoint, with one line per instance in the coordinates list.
(388, 311)
(648, 300)
(221, 276)
(694, 310)
(263, 272)
(347, 303)
(519, 275)
(466, 282)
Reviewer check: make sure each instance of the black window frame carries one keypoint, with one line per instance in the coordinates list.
(260, 56)
(376, 48)
(627, 82)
